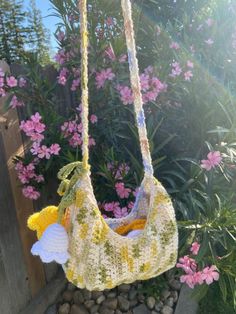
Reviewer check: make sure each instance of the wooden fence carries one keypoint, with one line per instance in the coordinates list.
(23, 277)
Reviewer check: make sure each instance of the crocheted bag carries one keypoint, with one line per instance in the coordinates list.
(92, 253)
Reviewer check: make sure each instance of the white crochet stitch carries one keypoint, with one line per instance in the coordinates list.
(53, 245)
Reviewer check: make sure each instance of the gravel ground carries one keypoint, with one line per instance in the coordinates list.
(123, 299)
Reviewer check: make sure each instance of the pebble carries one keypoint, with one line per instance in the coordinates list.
(159, 306)
(64, 309)
(151, 302)
(94, 309)
(89, 304)
(78, 297)
(100, 299)
(165, 294)
(67, 295)
(174, 295)
(71, 287)
(110, 303)
(167, 310)
(111, 294)
(78, 309)
(133, 303)
(51, 310)
(87, 294)
(123, 303)
(175, 284)
(105, 310)
(96, 294)
(169, 302)
(141, 298)
(132, 294)
(124, 295)
(118, 312)
(124, 288)
(141, 309)
(154, 312)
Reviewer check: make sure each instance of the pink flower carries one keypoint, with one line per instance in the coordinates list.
(174, 45)
(11, 81)
(120, 212)
(188, 279)
(209, 274)
(75, 84)
(195, 248)
(55, 149)
(39, 178)
(176, 69)
(93, 118)
(33, 127)
(2, 92)
(60, 35)
(110, 207)
(209, 42)
(30, 192)
(35, 149)
(190, 64)
(44, 152)
(121, 190)
(109, 52)
(123, 58)
(198, 278)
(188, 75)
(209, 22)
(109, 21)
(126, 95)
(92, 141)
(16, 103)
(60, 57)
(103, 76)
(1, 81)
(22, 82)
(2, 73)
(213, 160)
(187, 264)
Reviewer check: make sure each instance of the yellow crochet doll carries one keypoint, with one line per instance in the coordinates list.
(40, 221)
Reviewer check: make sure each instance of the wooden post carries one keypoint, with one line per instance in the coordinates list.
(12, 145)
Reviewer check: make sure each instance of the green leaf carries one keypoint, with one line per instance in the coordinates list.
(199, 292)
(223, 287)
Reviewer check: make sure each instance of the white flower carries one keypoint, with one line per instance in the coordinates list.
(53, 245)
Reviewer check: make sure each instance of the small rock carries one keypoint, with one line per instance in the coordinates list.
(100, 299)
(71, 287)
(94, 309)
(175, 296)
(106, 291)
(52, 309)
(165, 294)
(169, 302)
(105, 310)
(87, 294)
(124, 288)
(151, 302)
(96, 294)
(78, 297)
(175, 284)
(133, 303)
(167, 310)
(141, 309)
(132, 294)
(89, 304)
(159, 306)
(67, 295)
(141, 298)
(64, 309)
(154, 312)
(124, 295)
(110, 303)
(111, 294)
(123, 303)
(78, 309)
(118, 312)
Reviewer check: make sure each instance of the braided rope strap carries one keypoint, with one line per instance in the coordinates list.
(136, 87)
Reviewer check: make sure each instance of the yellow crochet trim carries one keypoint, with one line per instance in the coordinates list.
(40, 221)
(137, 224)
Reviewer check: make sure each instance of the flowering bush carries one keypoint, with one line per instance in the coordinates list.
(187, 78)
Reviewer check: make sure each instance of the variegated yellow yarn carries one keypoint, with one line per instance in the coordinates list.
(137, 224)
(40, 221)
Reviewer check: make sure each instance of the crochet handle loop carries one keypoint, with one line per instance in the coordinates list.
(134, 78)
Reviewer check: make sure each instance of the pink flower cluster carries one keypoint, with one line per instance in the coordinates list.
(193, 276)
(118, 211)
(177, 70)
(72, 130)
(8, 82)
(103, 76)
(213, 160)
(118, 172)
(16, 103)
(151, 87)
(26, 175)
(121, 190)
(110, 54)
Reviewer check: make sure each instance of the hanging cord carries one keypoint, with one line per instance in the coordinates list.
(136, 87)
(82, 5)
